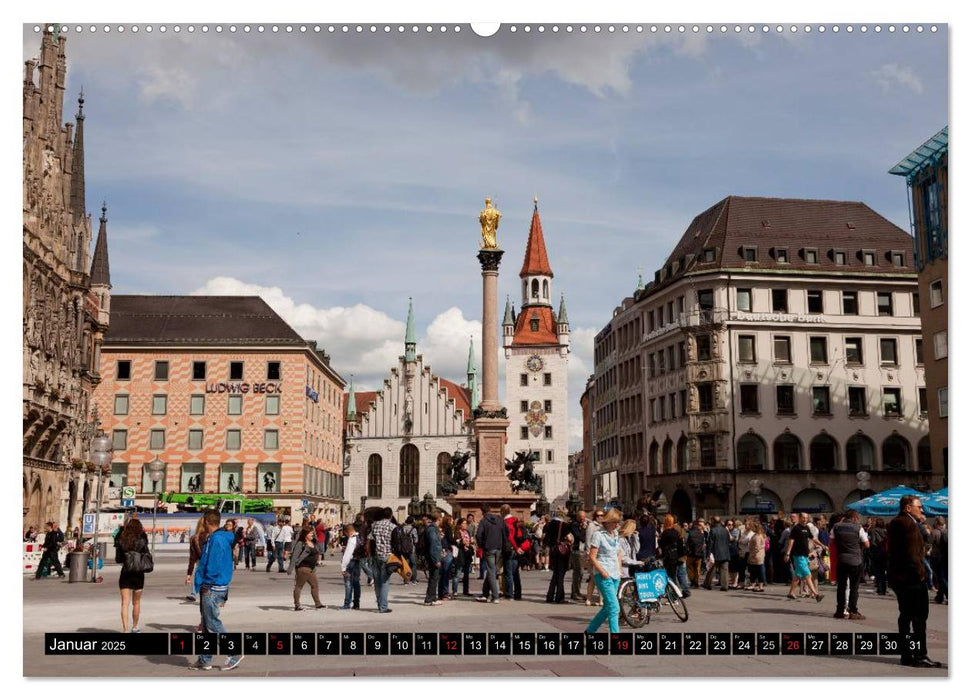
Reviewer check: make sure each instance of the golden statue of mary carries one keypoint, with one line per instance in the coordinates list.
(489, 220)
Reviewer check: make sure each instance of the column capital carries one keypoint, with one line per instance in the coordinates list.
(489, 259)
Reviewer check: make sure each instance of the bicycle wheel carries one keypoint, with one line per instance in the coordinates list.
(677, 604)
(635, 614)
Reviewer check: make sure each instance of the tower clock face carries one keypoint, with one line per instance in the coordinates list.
(534, 363)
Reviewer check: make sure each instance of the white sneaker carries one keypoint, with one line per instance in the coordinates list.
(231, 664)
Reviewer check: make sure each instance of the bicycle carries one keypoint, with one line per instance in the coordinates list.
(656, 586)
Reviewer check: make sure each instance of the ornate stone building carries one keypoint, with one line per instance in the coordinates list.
(65, 297)
(775, 362)
(399, 440)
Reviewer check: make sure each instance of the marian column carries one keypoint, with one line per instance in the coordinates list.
(491, 485)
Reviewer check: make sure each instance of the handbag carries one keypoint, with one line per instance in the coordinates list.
(562, 546)
(139, 562)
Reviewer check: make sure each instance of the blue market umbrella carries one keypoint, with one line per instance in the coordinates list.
(936, 503)
(886, 503)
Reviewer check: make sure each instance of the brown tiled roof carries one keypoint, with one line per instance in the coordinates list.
(460, 394)
(535, 261)
(546, 335)
(793, 224)
(362, 402)
(201, 320)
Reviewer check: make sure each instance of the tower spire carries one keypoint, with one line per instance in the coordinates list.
(536, 262)
(471, 373)
(100, 272)
(640, 280)
(562, 319)
(507, 319)
(351, 401)
(77, 166)
(411, 339)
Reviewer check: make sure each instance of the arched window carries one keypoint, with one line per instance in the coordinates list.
(682, 456)
(751, 452)
(859, 453)
(441, 471)
(546, 289)
(823, 453)
(374, 476)
(787, 453)
(525, 290)
(535, 289)
(896, 454)
(652, 463)
(667, 456)
(408, 472)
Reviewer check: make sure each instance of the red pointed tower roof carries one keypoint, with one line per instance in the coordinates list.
(536, 262)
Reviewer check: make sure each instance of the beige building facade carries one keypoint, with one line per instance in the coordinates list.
(775, 362)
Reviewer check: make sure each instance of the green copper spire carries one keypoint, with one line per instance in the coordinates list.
(507, 319)
(410, 337)
(351, 401)
(562, 316)
(471, 374)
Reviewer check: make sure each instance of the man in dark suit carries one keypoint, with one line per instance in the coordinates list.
(907, 576)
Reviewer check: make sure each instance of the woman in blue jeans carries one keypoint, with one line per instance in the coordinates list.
(605, 558)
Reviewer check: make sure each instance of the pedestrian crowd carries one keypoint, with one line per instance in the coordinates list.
(906, 555)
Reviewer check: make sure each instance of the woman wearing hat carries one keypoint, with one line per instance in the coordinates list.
(557, 536)
(605, 558)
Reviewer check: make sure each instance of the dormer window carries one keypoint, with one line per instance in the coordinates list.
(812, 257)
(839, 257)
(750, 254)
(708, 255)
(781, 255)
(534, 324)
(869, 258)
(897, 258)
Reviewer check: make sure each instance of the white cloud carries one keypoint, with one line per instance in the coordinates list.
(890, 76)
(361, 340)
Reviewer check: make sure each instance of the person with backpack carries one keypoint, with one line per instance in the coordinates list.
(52, 543)
(131, 551)
(409, 529)
(433, 547)
(558, 539)
(304, 559)
(351, 569)
(491, 533)
(402, 551)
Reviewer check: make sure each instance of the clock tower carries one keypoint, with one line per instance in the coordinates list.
(537, 346)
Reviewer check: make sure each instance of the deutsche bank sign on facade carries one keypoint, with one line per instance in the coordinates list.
(778, 318)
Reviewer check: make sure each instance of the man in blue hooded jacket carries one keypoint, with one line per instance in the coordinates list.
(214, 573)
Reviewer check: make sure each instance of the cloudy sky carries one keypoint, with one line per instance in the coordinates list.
(340, 174)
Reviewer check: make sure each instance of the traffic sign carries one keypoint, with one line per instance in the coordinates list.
(128, 492)
(114, 493)
(128, 503)
(88, 524)
(306, 504)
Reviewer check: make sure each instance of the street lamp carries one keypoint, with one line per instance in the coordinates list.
(100, 457)
(156, 468)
